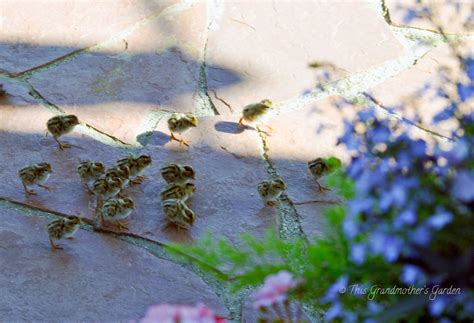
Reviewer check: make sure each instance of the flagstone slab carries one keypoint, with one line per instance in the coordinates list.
(94, 278)
(271, 45)
(34, 33)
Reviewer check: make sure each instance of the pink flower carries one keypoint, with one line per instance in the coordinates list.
(166, 313)
(274, 289)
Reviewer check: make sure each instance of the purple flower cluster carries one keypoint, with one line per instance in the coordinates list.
(413, 201)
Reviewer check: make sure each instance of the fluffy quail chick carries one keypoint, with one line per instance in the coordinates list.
(117, 209)
(137, 166)
(178, 213)
(61, 125)
(90, 171)
(104, 188)
(62, 228)
(256, 113)
(318, 168)
(119, 171)
(181, 191)
(271, 190)
(180, 123)
(36, 174)
(177, 173)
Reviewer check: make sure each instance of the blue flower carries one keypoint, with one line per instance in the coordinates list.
(339, 287)
(418, 148)
(333, 312)
(421, 235)
(389, 246)
(374, 307)
(437, 306)
(366, 115)
(350, 227)
(458, 152)
(411, 275)
(465, 91)
(440, 219)
(380, 134)
(358, 253)
(469, 67)
(446, 113)
(406, 217)
(409, 16)
(463, 186)
(393, 246)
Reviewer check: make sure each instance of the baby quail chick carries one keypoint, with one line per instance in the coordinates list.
(181, 191)
(178, 213)
(119, 171)
(106, 187)
(180, 123)
(256, 113)
(271, 190)
(318, 168)
(61, 125)
(117, 209)
(62, 228)
(177, 173)
(90, 171)
(36, 174)
(137, 166)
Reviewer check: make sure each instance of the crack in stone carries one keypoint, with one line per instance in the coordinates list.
(319, 201)
(204, 105)
(220, 287)
(88, 129)
(289, 225)
(222, 100)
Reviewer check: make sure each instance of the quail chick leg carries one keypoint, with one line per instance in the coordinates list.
(241, 122)
(45, 187)
(55, 246)
(86, 186)
(137, 180)
(173, 137)
(62, 146)
(322, 188)
(272, 203)
(184, 142)
(121, 225)
(29, 192)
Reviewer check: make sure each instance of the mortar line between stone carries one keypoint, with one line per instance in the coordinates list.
(205, 105)
(289, 225)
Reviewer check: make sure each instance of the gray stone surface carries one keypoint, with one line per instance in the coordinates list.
(95, 278)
